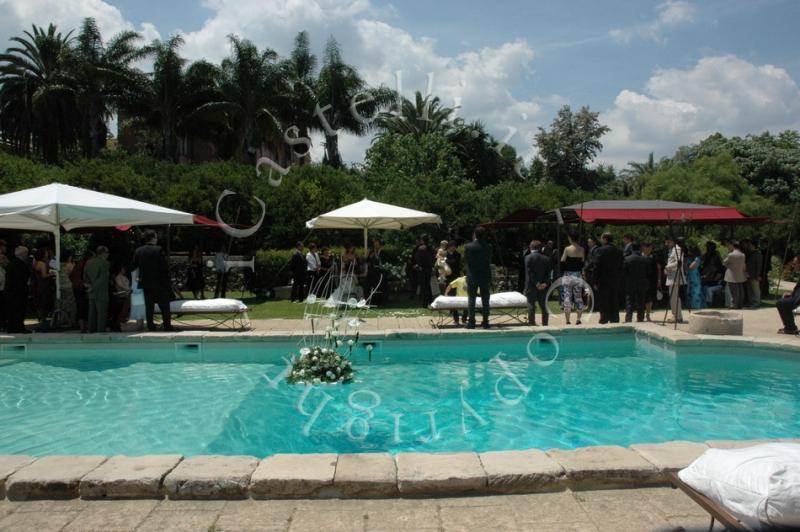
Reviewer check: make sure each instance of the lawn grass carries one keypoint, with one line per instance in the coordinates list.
(399, 305)
(261, 309)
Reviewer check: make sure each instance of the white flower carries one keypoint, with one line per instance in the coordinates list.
(350, 343)
(341, 379)
(304, 350)
(355, 322)
(369, 347)
(338, 343)
(329, 374)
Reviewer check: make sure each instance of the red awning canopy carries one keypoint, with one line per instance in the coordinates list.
(632, 212)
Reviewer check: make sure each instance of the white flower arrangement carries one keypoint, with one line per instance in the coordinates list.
(321, 365)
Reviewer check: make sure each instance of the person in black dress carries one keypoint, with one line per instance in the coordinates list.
(18, 275)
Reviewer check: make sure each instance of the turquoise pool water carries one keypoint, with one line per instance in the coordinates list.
(426, 395)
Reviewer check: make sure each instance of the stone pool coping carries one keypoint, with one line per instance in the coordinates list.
(366, 475)
(653, 331)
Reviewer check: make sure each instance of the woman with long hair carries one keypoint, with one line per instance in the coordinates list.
(694, 293)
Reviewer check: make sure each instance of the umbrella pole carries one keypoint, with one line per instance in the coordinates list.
(366, 247)
(57, 235)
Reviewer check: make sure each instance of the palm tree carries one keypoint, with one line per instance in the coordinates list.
(170, 99)
(337, 87)
(251, 88)
(635, 176)
(104, 75)
(38, 104)
(425, 114)
(299, 102)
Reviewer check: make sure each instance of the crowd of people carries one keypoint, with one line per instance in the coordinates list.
(634, 276)
(316, 271)
(93, 293)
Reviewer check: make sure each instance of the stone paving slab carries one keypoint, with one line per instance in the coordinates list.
(111, 516)
(294, 475)
(670, 456)
(10, 463)
(442, 473)
(211, 477)
(522, 471)
(129, 477)
(366, 475)
(605, 466)
(54, 477)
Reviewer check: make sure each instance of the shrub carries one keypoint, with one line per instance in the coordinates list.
(271, 269)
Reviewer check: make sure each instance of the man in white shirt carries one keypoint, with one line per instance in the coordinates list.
(312, 268)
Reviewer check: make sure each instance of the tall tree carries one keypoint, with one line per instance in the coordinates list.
(252, 86)
(104, 75)
(635, 176)
(571, 144)
(170, 99)
(338, 86)
(425, 114)
(38, 104)
(300, 97)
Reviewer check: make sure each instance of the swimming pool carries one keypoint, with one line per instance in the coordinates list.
(414, 395)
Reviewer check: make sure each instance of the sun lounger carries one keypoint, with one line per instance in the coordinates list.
(232, 312)
(507, 304)
(717, 512)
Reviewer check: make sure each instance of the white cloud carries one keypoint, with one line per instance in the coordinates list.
(19, 15)
(723, 94)
(670, 14)
(675, 13)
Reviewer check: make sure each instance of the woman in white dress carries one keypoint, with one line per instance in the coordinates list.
(676, 278)
(137, 301)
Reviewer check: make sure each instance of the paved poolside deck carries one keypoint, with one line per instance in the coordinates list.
(643, 509)
(760, 323)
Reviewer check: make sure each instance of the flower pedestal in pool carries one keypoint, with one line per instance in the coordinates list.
(716, 322)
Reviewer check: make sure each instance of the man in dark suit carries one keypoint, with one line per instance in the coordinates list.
(637, 268)
(298, 267)
(154, 280)
(608, 278)
(478, 256)
(18, 275)
(789, 302)
(538, 270)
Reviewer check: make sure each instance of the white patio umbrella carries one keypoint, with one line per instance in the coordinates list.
(52, 207)
(367, 214)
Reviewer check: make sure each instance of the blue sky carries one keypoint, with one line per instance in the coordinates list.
(661, 73)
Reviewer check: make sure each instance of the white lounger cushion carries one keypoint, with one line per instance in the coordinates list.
(206, 306)
(760, 485)
(500, 299)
